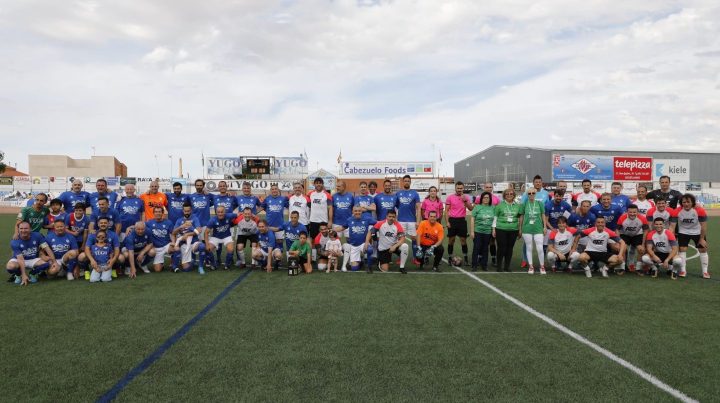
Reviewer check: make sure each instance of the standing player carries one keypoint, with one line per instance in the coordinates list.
(301, 203)
(358, 240)
(153, 199)
(342, 203)
(274, 206)
(642, 202)
(160, 231)
(33, 215)
(74, 196)
(633, 228)
(671, 196)
(541, 194)
(175, 202)
(560, 246)
(224, 198)
(102, 191)
(366, 202)
(55, 214)
(567, 196)
(26, 262)
(130, 209)
(64, 248)
(372, 189)
(321, 209)
(220, 225)
(617, 198)
(391, 239)
(408, 209)
(600, 238)
(586, 194)
(692, 226)
(385, 201)
(456, 207)
(662, 250)
(607, 210)
(660, 210)
(201, 202)
(247, 199)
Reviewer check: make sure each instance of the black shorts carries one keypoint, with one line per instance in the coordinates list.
(385, 256)
(632, 240)
(662, 256)
(314, 228)
(458, 227)
(684, 239)
(598, 257)
(242, 239)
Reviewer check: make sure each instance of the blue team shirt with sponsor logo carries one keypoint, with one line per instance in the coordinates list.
(407, 200)
(342, 207)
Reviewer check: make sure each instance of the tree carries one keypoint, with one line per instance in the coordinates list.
(2, 164)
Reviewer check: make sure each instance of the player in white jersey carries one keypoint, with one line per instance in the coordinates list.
(300, 203)
(692, 226)
(391, 239)
(596, 250)
(633, 228)
(321, 210)
(586, 194)
(661, 210)
(642, 202)
(247, 231)
(662, 250)
(560, 246)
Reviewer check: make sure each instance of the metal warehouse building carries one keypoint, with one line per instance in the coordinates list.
(519, 164)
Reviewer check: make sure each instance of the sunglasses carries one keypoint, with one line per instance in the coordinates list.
(531, 193)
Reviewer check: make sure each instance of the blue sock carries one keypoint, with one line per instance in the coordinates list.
(14, 271)
(218, 253)
(369, 255)
(201, 254)
(72, 264)
(414, 246)
(175, 259)
(228, 259)
(40, 268)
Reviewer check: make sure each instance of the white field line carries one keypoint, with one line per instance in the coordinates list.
(638, 371)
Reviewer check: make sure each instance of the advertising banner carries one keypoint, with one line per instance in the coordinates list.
(127, 180)
(423, 185)
(579, 167)
(236, 185)
(370, 169)
(112, 181)
(677, 170)
(290, 166)
(6, 180)
(223, 165)
(632, 168)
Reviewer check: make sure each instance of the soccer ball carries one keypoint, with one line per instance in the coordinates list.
(456, 261)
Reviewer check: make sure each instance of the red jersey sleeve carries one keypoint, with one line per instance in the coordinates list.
(328, 195)
(317, 239)
(379, 224)
(612, 234)
(702, 214)
(651, 212)
(649, 236)
(399, 228)
(587, 231)
(552, 235)
(571, 230)
(643, 219)
(670, 235)
(622, 219)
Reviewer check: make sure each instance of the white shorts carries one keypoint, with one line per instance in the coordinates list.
(341, 231)
(279, 235)
(217, 241)
(410, 228)
(264, 252)
(160, 254)
(30, 263)
(122, 236)
(356, 253)
(186, 251)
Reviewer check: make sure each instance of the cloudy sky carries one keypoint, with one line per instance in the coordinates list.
(381, 80)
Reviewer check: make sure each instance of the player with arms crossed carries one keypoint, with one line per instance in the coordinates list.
(408, 209)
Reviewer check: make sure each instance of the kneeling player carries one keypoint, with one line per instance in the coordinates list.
(391, 239)
(633, 228)
(65, 250)
(27, 262)
(221, 225)
(266, 253)
(662, 250)
(136, 249)
(597, 248)
(159, 231)
(186, 231)
(302, 251)
(560, 246)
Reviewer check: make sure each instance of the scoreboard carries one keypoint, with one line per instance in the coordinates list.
(257, 166)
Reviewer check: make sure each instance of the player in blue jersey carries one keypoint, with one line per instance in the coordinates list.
(266, 254)
(358, 241)
(385, 201)
(581, 220)
(618, 199)
(292, 229)
(274, 206)
(224, 198)
(219, 236)
(365, 201)
(104, 211)
(74, 196)
(408, 209)
(557, 207)
(103, 223)
(136, 249)
(175, 202)
(186, 232)
(26, 262)
(160, 232)
(130, 209)
(342, 202)
(102, 191)
(76, 223)
(65, 250)
(606, 209)
(247, 199)
(101, 259)
(201, 203)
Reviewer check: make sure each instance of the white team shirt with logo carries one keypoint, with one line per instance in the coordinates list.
(632, 227)
(689, 220)
(662, 242)
(562, 241)
(301, 204)
(599, 241)
(388, 234)
(643, 206)
(668, 215)
(319, 206)
(582, 196)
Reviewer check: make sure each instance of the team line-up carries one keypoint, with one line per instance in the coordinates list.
(341, 231)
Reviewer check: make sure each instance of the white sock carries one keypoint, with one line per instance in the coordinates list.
(403, 255)
(704, 260)
(683, 256)
(622, 266)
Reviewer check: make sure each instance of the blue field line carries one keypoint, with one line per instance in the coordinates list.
(111, 394)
